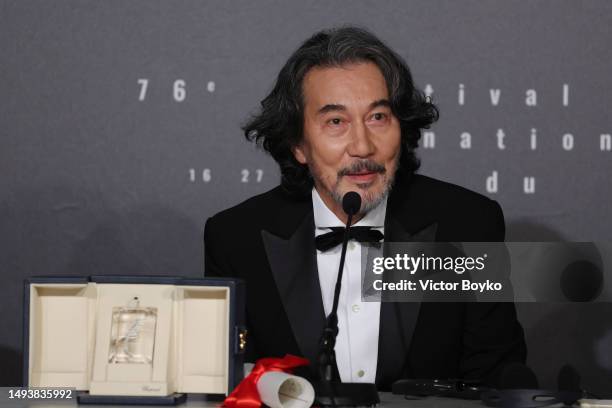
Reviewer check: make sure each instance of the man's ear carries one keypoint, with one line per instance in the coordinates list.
(298, 153)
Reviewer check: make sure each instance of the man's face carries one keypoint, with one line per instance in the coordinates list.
(351, 138)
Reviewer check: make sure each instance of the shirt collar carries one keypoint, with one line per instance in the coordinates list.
(325, 218)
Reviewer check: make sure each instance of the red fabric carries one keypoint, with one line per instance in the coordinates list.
(245, 395)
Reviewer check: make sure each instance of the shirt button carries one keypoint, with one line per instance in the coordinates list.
(360, 373)
(355, 308)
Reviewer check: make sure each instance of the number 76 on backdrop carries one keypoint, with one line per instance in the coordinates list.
(179, 89)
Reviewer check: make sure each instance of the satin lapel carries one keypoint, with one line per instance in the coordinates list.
(395, 327)
(398, 319)
(294, 267)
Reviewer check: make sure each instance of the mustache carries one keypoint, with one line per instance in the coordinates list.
(361, 166)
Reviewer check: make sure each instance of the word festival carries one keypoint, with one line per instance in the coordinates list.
(531, 100)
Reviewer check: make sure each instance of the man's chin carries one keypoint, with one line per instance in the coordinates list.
(366, 187)
(371, 193)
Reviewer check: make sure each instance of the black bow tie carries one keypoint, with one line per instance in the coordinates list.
(331, 239)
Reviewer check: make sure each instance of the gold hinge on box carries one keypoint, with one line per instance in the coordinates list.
(241, 339)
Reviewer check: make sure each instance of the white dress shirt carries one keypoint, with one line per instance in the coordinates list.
(358, 322)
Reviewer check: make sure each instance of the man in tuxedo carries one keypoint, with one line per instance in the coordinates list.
(344, 116)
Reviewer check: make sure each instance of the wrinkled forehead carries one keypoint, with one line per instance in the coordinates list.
(355, 86)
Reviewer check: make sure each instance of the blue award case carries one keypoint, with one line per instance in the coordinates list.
(134, 339)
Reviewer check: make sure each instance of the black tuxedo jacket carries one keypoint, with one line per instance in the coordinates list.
(268, 241)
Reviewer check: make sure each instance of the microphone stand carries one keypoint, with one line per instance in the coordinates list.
(330, 391)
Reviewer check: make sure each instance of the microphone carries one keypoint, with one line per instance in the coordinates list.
(330, 391)
(582, 281)
(351, 203)
(519, 389)
(453, 388)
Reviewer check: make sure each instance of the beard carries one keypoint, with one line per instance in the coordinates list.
(369, 199)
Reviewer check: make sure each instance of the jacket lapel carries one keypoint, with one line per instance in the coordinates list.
(403, 223)
(294, 267)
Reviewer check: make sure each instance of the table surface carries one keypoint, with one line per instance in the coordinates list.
(387, 400)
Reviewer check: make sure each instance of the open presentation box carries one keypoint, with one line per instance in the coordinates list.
(134, 336)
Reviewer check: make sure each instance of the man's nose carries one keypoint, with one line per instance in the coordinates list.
(361, 144)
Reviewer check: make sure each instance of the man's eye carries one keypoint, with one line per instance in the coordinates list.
(379, 116)
(335, 121)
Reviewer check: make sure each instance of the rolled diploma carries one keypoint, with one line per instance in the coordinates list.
(282, 390)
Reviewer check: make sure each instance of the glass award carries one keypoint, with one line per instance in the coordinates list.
(132, 334)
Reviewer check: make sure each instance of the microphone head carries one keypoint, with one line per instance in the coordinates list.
(351, 203)
(582, 281)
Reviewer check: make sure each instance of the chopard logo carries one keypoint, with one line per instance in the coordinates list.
(149, 388)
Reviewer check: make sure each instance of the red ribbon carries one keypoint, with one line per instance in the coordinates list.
(245, 395)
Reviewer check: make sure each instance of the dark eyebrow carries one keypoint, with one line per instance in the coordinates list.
(331, 108)
(335, 107)
(380, 102)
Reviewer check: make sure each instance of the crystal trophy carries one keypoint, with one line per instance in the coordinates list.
(132, 334)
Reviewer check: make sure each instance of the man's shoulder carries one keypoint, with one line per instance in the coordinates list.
(461, 214)
(261, 210)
